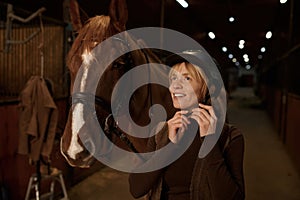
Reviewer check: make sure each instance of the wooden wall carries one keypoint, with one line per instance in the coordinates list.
(15, 169)
(292, 137)
(285, 118)
(274, 107)
(22, 61)
(18, 62)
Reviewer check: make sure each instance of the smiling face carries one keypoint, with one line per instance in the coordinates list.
(187, 87)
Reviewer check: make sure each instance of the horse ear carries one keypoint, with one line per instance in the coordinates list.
(75, 15)
(118, 12)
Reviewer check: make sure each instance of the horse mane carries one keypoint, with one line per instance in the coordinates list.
(95, 30)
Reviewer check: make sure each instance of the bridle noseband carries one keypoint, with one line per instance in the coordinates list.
(89, 100)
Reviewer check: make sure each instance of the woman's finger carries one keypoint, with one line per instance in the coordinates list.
(181, 112)
(209, 109)
(201, 113)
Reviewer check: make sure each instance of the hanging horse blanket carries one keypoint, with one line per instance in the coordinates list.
(38, 119)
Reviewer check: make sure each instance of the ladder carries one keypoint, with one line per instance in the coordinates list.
(33, 183)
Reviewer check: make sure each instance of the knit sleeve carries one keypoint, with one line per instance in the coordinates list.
(141, 184)
(225, 169)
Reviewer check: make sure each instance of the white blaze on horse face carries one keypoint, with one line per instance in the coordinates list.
(77, 114)
(77, 123)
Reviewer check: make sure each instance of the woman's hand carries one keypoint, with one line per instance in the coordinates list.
(177, 125)
(206, 119)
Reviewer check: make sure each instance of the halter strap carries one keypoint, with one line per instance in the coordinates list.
(89, 99)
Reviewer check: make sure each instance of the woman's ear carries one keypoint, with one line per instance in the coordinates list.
(206, 100)
(118, 13)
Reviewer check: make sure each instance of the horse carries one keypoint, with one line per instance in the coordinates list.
(79, 142)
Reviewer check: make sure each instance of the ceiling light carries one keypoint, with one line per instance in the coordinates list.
(234, 60)
(246, 60)
(183, 3)
(241, 46)
(231, 19)
(242, 42)
(224, 49)
(211, 35)
(283, 1)
(248, 67)
(259, 56)
(268, 34)
(245, 56)
(230, 56)
(263, 49)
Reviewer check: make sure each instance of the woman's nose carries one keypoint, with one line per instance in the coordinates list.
(177, 84)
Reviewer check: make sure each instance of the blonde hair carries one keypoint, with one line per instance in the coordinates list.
(197, 73)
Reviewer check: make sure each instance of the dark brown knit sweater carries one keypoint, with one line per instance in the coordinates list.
(218, 176)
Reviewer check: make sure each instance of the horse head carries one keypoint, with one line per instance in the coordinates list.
(91, 109)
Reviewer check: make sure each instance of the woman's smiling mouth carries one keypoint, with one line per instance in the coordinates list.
(179, 94)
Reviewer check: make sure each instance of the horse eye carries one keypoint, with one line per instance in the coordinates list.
(118, 64)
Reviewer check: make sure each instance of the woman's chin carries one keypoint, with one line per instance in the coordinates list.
(183, 106)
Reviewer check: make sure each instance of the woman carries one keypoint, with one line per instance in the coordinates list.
(219, 175)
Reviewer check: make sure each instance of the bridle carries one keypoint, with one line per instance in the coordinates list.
(90, 100)
(110, 125)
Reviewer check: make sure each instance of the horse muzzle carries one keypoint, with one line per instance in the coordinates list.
(83, 159)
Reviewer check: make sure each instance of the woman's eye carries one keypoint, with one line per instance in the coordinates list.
(187, 78)
(173, 78)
